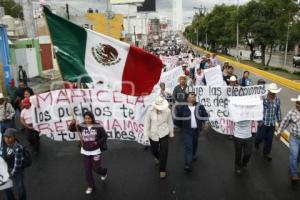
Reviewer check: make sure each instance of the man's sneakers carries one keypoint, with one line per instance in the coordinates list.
(295, 178)
(89, 191)
(187, 169)
(267, 158)
(163, 175)
(238, 172)
(103, 178)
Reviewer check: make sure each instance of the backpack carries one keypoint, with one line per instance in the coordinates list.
(27, 160)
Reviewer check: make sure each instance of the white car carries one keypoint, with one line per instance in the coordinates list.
(257, 55)
(296, 60)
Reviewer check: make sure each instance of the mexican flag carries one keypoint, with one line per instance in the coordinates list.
(83, 54)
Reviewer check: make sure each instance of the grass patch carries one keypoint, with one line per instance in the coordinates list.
(275, 70)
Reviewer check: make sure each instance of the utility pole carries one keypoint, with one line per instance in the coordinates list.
(206, 45)
(286, 44)
(67, 11)
(109, 16)
(237, 32)
(28, 18)
(135, 42)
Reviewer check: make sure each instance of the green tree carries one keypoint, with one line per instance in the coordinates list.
(12, 8)
(266, 22)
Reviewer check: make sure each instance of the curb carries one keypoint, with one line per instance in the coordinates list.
(275, 78)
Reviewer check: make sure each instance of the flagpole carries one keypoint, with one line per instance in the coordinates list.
(65, 90)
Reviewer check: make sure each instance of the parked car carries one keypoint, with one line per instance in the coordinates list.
(257, 55)
(296, 60)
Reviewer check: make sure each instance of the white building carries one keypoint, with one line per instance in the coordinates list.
(177, 15)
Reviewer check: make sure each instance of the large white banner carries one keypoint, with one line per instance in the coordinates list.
(122, 116)
(170, 79)
(216, 102)
(214, 76)
(5, 181)
(245, 108)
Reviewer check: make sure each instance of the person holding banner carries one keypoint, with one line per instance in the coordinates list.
(159, 127)
(292, 122)
(93, 137)
(271, 116)
(12, 152)
(33, 136)
(193, 116)
(242, 145)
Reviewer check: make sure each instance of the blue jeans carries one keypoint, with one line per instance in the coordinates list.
(19, 186)
(294, 151)
(190, 138)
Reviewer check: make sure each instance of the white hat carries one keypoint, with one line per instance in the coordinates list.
(273, 88)
(160, 103)
(296, 99)
(232, 79)
(182, 76)
(1, 96)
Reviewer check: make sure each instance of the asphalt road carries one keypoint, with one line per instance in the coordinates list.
(57, 173)
(277, 60)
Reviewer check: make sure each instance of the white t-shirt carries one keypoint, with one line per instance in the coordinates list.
(199, 79)
(193, 118)
(26, 114)
(243, 129)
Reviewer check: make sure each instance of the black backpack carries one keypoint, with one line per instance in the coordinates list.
(27, 160)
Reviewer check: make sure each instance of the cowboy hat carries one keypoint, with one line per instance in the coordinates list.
(160, 103)
(182, 76)
(232, 79)
(273, 88)
(296, 99)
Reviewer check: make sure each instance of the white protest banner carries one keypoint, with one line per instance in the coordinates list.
(121, 116)
(216, 101)
(245, 108)
(5, 182)
(214, 76)
(170, 78)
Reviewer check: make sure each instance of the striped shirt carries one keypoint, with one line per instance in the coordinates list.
(272, 111)
(291, 122)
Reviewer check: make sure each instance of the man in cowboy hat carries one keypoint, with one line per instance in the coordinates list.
(292, 122)
(271, 115)
(159, 127)
(7, 114)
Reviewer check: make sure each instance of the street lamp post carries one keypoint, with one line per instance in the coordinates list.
(286, 44)
(237, 31)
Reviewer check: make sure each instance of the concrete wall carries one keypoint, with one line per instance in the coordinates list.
(26, 43)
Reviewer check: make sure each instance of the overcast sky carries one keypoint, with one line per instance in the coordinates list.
(164, 7)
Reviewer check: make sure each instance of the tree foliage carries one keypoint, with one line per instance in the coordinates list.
(263, 24)
(12, 8)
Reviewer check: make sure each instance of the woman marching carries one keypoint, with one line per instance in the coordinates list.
(159, 127)
(93, 138)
